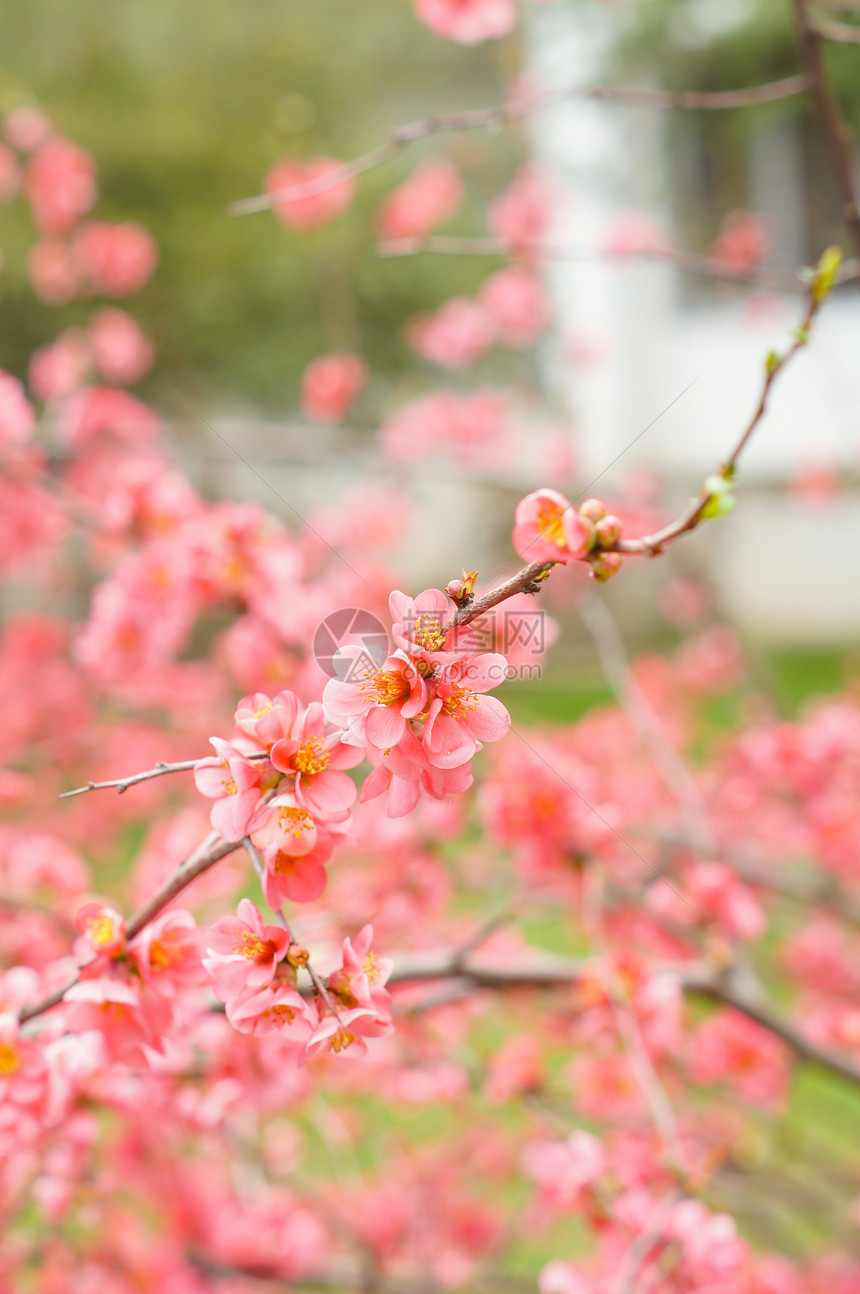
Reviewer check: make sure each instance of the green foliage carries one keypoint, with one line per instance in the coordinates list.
(185, 108)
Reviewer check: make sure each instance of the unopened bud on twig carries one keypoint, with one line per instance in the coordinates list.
(608, 531)
(297, 956)
(592, 510)
(604, 566)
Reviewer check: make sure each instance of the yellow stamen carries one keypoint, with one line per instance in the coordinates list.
(310, 758)
(341, 1040)
(294, 821)
(551, 526)
(387, 686)
(101, 930)
(253, 947)
(428, 632)
(370, 966)
(9, 1058)
(460, 700)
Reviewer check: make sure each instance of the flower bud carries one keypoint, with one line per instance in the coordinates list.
(456, 590)
(297, 956)
(609, 531)
(592, 510)
(605, 566)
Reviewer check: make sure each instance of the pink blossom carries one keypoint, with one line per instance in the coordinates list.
(113, 1007)
(59, 184)
(565, 1169)
(276, 1007)
(633, 233)
(120, 351)
(547, 528)
(732, 1048)
(103, 929)
(26, 128)
(519, 216)
(428, 198)
(346, 1033)
(16, 412)
(460, 718)
(97, 410)
(743, 241)
(23, 1072)
(459, 333)
(117, 259)
(516, 299)
(243, 954)
(328, 192)
(374, 704)
(360, 980)
(329, 386)
(58, 369)
(467, 21)
(297, 877)
(315, 762)
(167, 953)
(235, 784)
(54, 271)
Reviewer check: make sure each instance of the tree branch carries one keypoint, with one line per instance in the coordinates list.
(161, 769)
(837, 140)
(550, 970)
(687, 262)
(503, 115)
(842, 33)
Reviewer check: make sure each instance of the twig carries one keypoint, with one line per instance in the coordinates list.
(647, 1238)
(842, 33)
(652, 545)
(687, 262)
(209, 852)
(549, 970)
(161, 769)
(837, 140)
(502, 115)
(260, 869)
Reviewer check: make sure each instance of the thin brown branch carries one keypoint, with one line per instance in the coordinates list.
(528, 580)
(842, 33)
(652, 545)
(503, 115)
(206, 855)
(550, 970)
(161, 769)
(687, 262)
(837, 139)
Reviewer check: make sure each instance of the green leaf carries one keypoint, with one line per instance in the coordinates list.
(718, 505)
(825, 272)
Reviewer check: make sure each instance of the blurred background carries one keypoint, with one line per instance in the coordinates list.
(643, 379)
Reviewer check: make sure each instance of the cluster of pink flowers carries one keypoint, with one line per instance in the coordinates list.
(549, 528)
(422, 713)
(511, 307)
(468, 22)
(253, 969)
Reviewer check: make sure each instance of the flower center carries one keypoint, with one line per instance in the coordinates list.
(551, 526)
(310, 758)
(100, 930)
(294, 821)
(459, 702)
(428, 632)
(253, 947)
(9, 1058)
(341, 1040)
(370, 966)
(387, 686)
